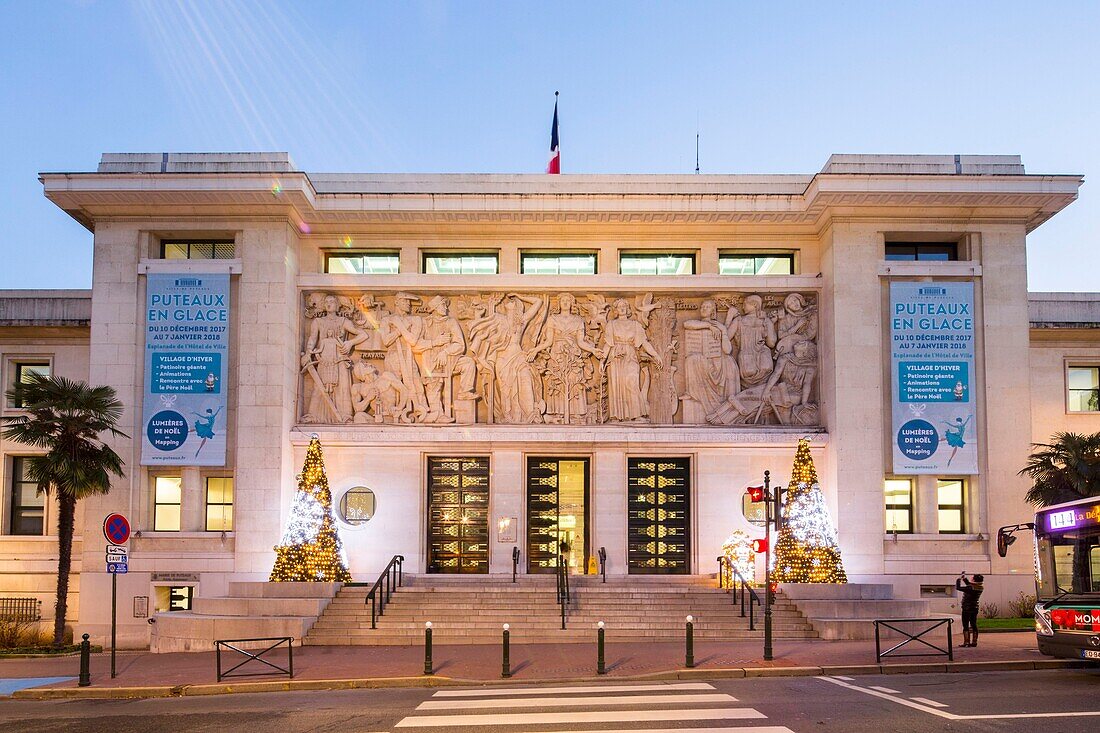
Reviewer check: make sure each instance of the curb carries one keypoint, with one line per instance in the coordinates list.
(126, 693)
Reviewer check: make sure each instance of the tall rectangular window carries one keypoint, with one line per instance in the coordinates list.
(1083, 389)
(899, 505)
(24, 371)
(28, 506)
(950, 495)
(574, 263)
(204, 249)
(362, 263)
(461, 264)
(922, 251)
(167, 497)
(219, 504)
(749, 263)
(656, 263)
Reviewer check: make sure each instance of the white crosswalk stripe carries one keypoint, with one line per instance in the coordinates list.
(632, 707)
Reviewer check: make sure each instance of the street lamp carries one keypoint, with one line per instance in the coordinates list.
(772, 515)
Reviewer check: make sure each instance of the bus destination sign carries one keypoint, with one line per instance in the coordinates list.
(1079, 517)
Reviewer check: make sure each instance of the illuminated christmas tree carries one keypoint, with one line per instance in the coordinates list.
(807, 550)
(310, 549)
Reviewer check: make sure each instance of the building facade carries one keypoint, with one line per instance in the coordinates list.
(495, 362)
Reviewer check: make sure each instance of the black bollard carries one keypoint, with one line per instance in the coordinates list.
(689, 656)
(85, 663)
(427, 647)
(600, 669)
(506, 664)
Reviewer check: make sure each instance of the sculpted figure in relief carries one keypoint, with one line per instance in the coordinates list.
(797, 322)
(378, 397)
(519, 391)
(711, 375)
(399, 333)
(326, 364)
(568, 367)
(627, 384)
(753, 333)
(442, 349)
(789, 388)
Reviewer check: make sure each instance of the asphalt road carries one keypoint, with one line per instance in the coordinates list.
(1057, 701)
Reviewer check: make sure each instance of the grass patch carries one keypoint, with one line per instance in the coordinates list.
(1006, 623)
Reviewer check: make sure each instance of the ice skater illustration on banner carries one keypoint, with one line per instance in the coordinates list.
(204, 426)
(954, 435)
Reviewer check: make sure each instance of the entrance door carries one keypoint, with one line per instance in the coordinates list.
(658, 491)
(458, 515)
(557, 512)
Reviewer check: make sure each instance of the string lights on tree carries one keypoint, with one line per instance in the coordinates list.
(807, 550)
(310, 549)
(737, 549)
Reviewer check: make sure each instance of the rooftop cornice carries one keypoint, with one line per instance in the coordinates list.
(531, 199)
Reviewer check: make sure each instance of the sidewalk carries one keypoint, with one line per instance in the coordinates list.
(141, 674)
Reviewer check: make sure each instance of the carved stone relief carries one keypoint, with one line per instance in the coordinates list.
(570, 359)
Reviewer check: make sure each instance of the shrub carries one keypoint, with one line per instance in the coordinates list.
(16, 632)
(990, 610)
(1022, 606)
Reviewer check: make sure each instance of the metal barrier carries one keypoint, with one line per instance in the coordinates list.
(21, 609)
(891, 624)
(733, 582)
(379, 594)
(255, 657)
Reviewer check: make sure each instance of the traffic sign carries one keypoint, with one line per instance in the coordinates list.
(116, 529)
(113, 549)
(117, 568)
(120, 557)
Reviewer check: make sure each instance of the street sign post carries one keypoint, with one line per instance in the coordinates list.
(116, 528)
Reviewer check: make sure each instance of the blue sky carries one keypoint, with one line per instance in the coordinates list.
(468, 87)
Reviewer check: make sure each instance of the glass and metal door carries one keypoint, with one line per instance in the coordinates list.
(557, 513)
(658, 514)
(458, 515)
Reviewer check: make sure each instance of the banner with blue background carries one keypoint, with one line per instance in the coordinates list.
(186, 364)
(932, 369)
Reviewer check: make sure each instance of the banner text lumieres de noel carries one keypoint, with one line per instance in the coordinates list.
(186, 362)
(932, 366)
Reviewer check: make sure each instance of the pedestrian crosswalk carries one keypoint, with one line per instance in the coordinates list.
(630, 708)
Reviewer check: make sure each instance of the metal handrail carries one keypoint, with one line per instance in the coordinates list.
(379, 594)
(515, 562)
(563, 586)
(603, 563)
(739, 588)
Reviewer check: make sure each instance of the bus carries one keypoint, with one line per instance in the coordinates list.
(1067, 554)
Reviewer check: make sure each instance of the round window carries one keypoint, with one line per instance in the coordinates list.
(754, 511)
(357, 505)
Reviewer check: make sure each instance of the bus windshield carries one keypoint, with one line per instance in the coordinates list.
(1069, 561)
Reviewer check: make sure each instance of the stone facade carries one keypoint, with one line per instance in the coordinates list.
(724, 371)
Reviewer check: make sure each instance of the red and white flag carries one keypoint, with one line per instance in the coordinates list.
(554, 166)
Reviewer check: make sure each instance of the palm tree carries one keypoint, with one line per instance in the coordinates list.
(65, 418)
(1066, 469)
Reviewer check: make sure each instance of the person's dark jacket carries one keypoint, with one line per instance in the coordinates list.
(971, 592)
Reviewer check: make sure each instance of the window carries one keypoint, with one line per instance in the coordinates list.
(28, 506)
(23, 371)
(1084, 388)
(461, 264)
(899, 505)
(219, 504)
(922, 252)
(174, 597)
(749, 263)
(208, 249)
(357, 505)
(167, 496)
(362, 263)
(658, 263)
(575, 263)
(949, 501)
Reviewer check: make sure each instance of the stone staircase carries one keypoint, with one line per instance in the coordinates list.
(848, 611)
(472, 610)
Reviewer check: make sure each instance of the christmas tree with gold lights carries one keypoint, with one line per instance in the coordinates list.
(807, 550)
(310, 549)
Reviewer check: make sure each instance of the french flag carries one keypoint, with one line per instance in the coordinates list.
(554, 166)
